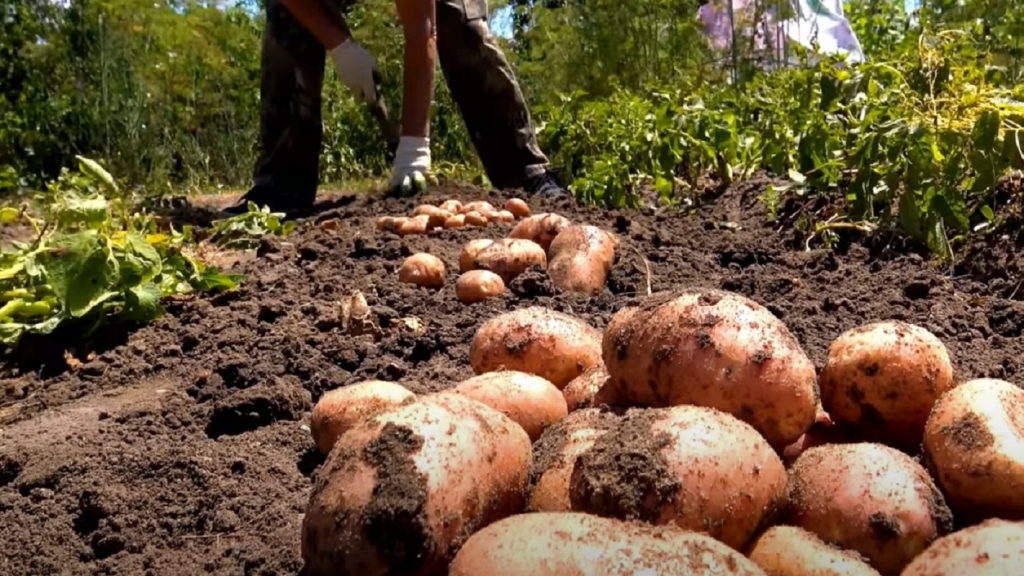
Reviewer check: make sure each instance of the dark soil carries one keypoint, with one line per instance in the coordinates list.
(183, 447)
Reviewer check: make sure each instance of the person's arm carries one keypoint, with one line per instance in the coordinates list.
(327, 27)
(417, 17)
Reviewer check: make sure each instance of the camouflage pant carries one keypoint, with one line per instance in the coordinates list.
(479, 78)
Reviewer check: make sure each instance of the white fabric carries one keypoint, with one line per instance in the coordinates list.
(356, 69)
(412, 156)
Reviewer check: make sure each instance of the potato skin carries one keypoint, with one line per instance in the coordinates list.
(400, 493)
(580, 259)
(974, 446)
(883, 378)
(529, 400)
(540, 228)
(340, 409)
(536, 340)
(475, 218)
(589, 389)
(554, 543)
(456, 221)
(478, 285)
(993, 548)
(518, 207)
(717, 349)
(510, 257)
(694, 467)
(413, 226)
(453, 206)
(422, 269)
(869, 498)
(792, 551)
(469, 252)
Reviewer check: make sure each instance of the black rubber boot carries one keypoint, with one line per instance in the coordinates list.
(287, 204)
(545, 185)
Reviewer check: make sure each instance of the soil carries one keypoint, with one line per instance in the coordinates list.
(183, 447)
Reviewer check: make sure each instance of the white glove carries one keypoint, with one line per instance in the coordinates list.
(412, 163)
(356, 68)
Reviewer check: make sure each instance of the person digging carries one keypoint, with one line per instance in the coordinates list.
(296, 37)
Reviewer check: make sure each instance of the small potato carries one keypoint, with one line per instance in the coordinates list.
(453, 206)
(469, 252)
(540, 228)
(868, 498)
(882, 380)
(455, 221)
(339, 410)
(476, 219)
(580, 259)
(557, 543)
(819, 435)
(693, 467)
(413, 226)
(506, 216)
(510, 257)
(529, 400)
(992, 548)
(974, 445)
(536, 340)
(518, 207)
(791, 551)
(478, 285)
(401, 492)
(422, 269)
(718, 349)
(479, 206)
(427, 209)
(386, 223)
(591, 388)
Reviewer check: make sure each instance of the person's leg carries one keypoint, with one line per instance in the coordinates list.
(485, 88)
(287, 173)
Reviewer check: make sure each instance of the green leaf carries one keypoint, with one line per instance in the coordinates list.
(986, 211)
(10, 333)
(9, 215)
(89, 211)
(142, 303)
(141, 262)
(935, 235)
(92, 168)
(952, 213)
(910, 214)
(81, 272)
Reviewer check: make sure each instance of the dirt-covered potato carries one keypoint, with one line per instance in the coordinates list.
(455, 221)
(386, 223)
(478, 285)
(697, 468)
(506, 216)
(882, 380)
(974, 445)
(469, 252)
(553, 345)
(580, 259)
(453, 206)
(529, 400)
(510, 257)
(589, 389)
(340, 409)
(868, 498)
(422, 269)
(717, 349)
(475, 218)
(412, 226)
(479, 206)
(540, 228)
(401, 492)
(792, 551)
(518, 207)
(992, 548)
(572, 544)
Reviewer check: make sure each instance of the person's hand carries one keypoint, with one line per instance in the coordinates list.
(412, 165)
(357, 68)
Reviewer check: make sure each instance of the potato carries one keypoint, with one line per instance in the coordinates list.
(456, 221)
(339, 410)
(476, 219)
(557, 543)
(479, 206)
(716, 349)
(974, 445)
(423, 209)
(555, 454)
(992, 548)
(412, 226)
(453, 206)
(581, 257)
(882, 379)
(386, 223)
(506, 216)
(693, 467)
(469, 252)
(869, 498)
(400, 493)
(519, 208)
(529, 400)
(591, 388)
(536, 340)
(540, 228)
(791, 551)
(819, 435)
(422, 269)
(478, 285)
(510, 257)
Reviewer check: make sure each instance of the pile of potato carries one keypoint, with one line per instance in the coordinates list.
(577, 257)
(692, 435)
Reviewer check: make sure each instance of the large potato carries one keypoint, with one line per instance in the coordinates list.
(992, 548)
(529, 400)
(882, 380)
(510, 257)
(339, 410)
(422, 269)
(571, 544)
(470, 251)
(974, 444)
(536, 340)
(580, 258)
(869, 498)
(540, 228)
(791, 551)
(695, 467)
(716, 349)
(400, 493)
